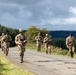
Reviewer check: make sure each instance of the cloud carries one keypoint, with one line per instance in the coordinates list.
(66, 21)
(73, 10)
(42, 13)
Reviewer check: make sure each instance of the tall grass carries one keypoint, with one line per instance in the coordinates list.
(54, 50)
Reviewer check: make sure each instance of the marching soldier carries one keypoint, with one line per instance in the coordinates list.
(6, 42)
(2, 41)
(20, 40)
(38, 42)
(47, 41)
(70, 44)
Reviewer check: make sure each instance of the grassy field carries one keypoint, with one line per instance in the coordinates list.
(54, 50)
(7, 68)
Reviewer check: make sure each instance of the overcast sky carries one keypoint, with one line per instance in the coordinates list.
(50, 14)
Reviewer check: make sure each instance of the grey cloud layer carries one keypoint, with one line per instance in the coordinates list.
(44, 13)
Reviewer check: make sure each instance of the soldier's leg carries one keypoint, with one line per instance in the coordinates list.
(4, 49)
(22, 53)
(21, 59)
(23, 50)
(7, 51)
(2, 46)
(39, 47)
(49, 49)
(46, 48)
(72, 51)
(21, 56)
(7, 48)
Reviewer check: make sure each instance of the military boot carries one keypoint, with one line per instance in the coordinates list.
(71, 54)
(46, 51)
(21, 59)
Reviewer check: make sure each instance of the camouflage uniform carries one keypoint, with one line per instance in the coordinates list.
(38, 42)
(1, 41)
(70, 44)
(47, 41)
(6, 39)
(20, 40)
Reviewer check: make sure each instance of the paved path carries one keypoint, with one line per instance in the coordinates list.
(43, 64)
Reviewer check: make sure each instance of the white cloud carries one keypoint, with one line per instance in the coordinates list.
(64, 21)
(73, 10)
(67, 20)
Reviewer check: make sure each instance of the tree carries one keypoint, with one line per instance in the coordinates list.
(33, 31)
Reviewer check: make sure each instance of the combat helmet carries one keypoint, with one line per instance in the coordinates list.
(21, 30)
(47, 35)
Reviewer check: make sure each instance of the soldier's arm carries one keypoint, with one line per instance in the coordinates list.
(3, 38)
(0, 38)
(67, 42)
(10, 38)
(25, 41)
(36, 38)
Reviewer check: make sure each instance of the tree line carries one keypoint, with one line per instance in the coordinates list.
(12, 32)
(31, 33)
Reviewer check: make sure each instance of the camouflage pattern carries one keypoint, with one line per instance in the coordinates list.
(47, 41)
(2, 41)
(70, 44)
(6, 39)
(38, 42)
(20, 40)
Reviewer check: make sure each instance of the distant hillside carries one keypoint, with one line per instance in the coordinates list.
(62, 34)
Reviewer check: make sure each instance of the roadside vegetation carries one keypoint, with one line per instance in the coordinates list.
(54, 50)
(7, 68)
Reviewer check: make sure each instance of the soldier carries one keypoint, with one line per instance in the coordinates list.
(1, 41)
(38, 42)
(20, 40)
(70, 44)
(47, 41)
(6, 39)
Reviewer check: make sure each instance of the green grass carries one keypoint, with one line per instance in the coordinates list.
(7, 68)
(54, 50)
